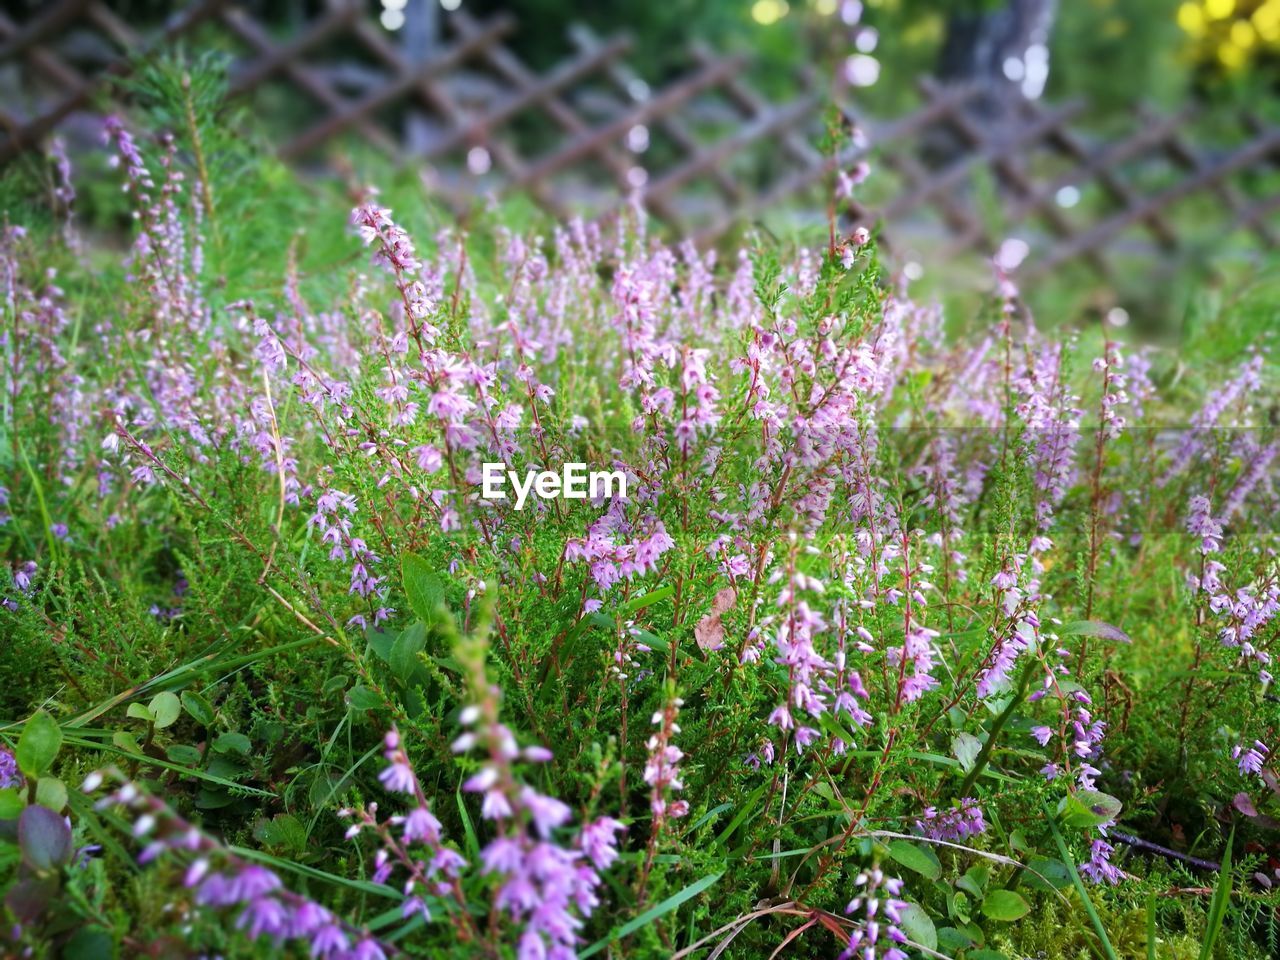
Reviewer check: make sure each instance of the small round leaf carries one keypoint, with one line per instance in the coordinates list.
(1004, 905)
(44, 838)
(165, 707)
(39, 744)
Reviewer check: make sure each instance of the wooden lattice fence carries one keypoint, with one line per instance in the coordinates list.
(703, 151)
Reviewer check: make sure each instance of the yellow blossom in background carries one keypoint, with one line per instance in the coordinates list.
(1242, 34)
(1231, 33)
(1266, 20)
(1230, 55)
(1191, 19)
(768, 12)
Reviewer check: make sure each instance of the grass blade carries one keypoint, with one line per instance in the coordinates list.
(1221, 900)
(653, 913)
(1107, 949)
(1151, 926)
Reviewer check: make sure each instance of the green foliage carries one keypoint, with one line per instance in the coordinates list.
(199, 638)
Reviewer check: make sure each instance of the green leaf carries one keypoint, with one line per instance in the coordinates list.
(1221, 901)
(920, 859)
(200, 710)
(126, 741)
(233, 743)
(183, 753)
(404, 651)
(645, 600)
(1089, 909)
(747, 809)
(284, 831)
(52, 793)
(918, 927)
(966, 747)
(1093, 628)
(166, 708)
(653, 913)
(11, 803)
(1055, 874)
(39, 744)
(380, 642)
(974, 881)
(423, 587)
(1151, 926)
(1088, 808)
(334, 685)
(361, 697)
(44, 838)
(952, 941)
(89, 943)
(468, 829)
(1004, 905)
(137, 711)
(651, 640)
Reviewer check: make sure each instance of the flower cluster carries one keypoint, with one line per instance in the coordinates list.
(959, 823)
(544, 887)
(878, 909)
(412, 842)
(662, 771)
(9, 773)
(848, 538)
(220, 881)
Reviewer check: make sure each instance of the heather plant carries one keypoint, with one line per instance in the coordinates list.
(908, 637)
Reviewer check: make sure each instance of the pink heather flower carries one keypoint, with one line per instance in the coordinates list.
(264, 916)
(1250, 759)
(846, 180)
(267, 910)
(662, 771)
(398, 778)
(1099, 868)
(598, 840)
(420, 825)
(1200, 523)
(546, 812)
(23, 575)
(877, 910)
(959, 823)
(9, 775)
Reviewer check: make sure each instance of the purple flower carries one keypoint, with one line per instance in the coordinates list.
(328, 941)
(963, 821)
(1099, 868)
(546, 812)
(9, 773)
(264, 916)
(398, 778)
(599, 840)
(368, 949)
(1250, 759)
(877, 909)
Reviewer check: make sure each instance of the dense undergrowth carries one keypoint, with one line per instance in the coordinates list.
(909, 638)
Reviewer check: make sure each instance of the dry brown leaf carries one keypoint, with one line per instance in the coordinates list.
(710, 631)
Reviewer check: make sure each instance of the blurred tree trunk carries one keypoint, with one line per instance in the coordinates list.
(1003, 48)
